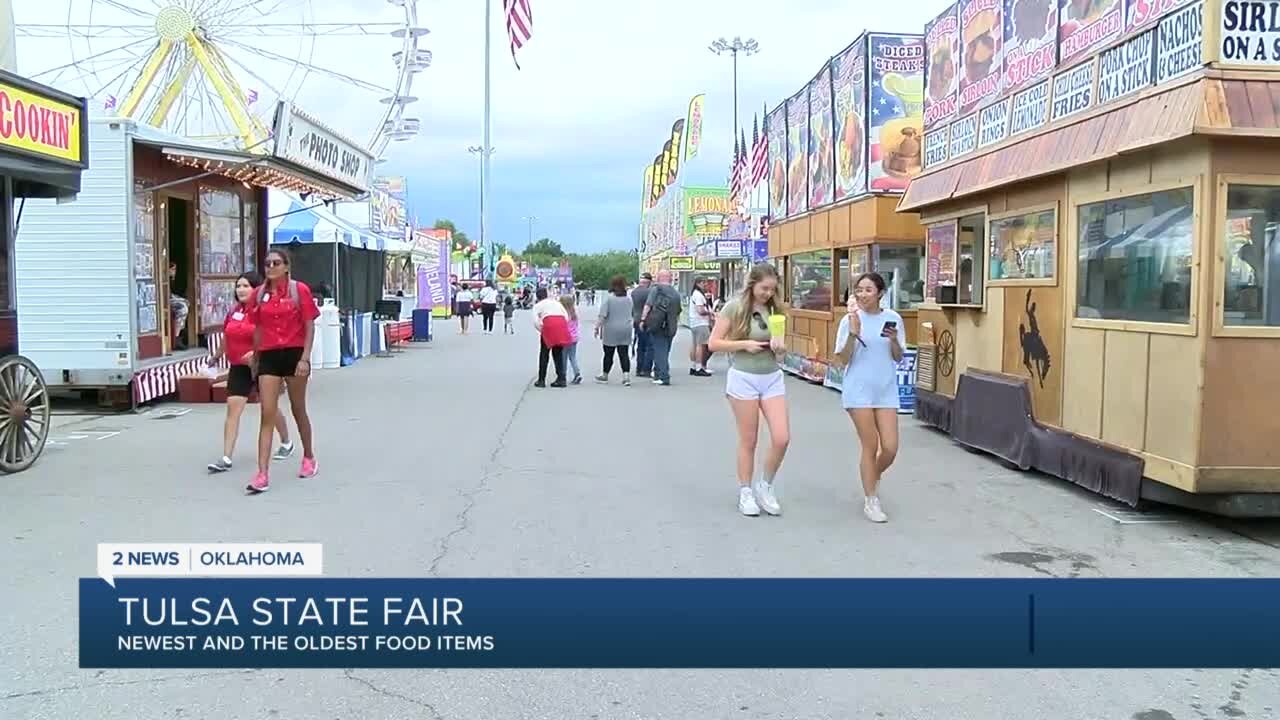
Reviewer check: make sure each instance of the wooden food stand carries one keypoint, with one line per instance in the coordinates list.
(1103, 276)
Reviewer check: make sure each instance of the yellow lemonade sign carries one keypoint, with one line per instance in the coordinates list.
(39, 125)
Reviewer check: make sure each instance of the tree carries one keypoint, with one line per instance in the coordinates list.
(458, 235)
(545, 246)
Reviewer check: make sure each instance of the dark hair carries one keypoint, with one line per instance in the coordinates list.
(488, 283)
(618, 285)
(255, 280)
(283, 256)
(506, 300)
(542, 293)
(876, 279)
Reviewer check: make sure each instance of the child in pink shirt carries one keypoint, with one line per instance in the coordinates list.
(571, 350)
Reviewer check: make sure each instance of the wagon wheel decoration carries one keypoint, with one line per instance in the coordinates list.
(946, 353)
(24, 422)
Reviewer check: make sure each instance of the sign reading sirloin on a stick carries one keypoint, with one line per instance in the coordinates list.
(1251, 32)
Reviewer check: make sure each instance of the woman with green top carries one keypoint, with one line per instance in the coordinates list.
(751, 330)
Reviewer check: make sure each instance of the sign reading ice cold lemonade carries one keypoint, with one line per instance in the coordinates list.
(40, 125)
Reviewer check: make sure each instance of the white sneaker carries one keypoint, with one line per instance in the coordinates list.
(765, 498)
(747, 502)
(871, 508)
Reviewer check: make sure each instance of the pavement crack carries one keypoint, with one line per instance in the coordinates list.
(120, 683)
(351, 675)
(491, 468)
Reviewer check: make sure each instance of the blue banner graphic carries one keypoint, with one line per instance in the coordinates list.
(610, 623)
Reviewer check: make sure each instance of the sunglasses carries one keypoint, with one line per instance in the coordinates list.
(760, 321)
(276, 263)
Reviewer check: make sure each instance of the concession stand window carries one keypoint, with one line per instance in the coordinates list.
(1023, 248)
(955, 253)
(1249, 260)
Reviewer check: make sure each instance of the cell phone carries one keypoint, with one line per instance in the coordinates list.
(891, 326)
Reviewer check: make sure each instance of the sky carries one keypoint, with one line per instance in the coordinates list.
(599, 87)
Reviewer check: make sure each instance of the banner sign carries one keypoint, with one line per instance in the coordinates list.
(706, 211)
(680, 262)
(1029, 109)
(677, 140)
(677, 623)
(694, 127)
(821, 151)
(895, 93)
(1086, 25)
(775, 128)
(1030, 41)
(1073, 91)
(982, 32)
(1142, 13)
(1126, 69)
(797, 153)
(942, 44)
(937, 146)
(303, 141)
(993, 123)
(647, 194)
(1181, 43)
(849, 99)
(42, 122)
(964, 136)
(729, 249)
(759, 251)
(433, 271)
(1250, 31)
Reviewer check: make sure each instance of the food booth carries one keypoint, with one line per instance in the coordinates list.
(101, 315)
(1101, 238)
(43, 152)
(841, 151)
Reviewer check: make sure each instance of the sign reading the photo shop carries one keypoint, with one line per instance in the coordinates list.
(303, 141)
(964, 136)
(1125, 69)
(993, 123)
(1251, 32)
(1073, 91)
(1179, 43)
(1030, 109)
(936, 145)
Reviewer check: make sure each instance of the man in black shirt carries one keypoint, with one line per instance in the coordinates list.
(644, 344)
(661, 319)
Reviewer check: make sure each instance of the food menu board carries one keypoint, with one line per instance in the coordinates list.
(1030, 41)
(821, 152)
(982, 38)
(797, 157)
(849, 97)
(775, 129)
(940, 257)
(1087, 25)
(942, 79)
(1143, 13)
(895, 98)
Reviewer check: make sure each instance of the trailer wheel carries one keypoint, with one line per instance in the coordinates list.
(24, 414)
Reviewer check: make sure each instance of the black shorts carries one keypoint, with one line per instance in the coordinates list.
(464, 309)
(240, 382)
(282, 362)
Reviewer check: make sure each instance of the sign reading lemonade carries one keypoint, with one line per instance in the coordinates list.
(707, 211)
(40, 121)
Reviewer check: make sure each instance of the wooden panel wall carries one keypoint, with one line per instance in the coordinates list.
(1033, 338)
(943, 326)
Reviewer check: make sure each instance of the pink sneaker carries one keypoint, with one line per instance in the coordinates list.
(309, 468)
(259, 484)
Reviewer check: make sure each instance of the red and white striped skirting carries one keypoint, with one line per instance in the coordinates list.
(159, 381)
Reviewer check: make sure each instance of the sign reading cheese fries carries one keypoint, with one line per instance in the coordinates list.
(39, 124)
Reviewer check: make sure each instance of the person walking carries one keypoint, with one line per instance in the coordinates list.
(661, 319)
(488, 305)
(754, 386)
(508, 315)
(465, 306)
(552, 323)
(869, 343)
(613, 327)
(644, 343)
(237, 333)
(700, 328)
(575, 330)
(285, 313)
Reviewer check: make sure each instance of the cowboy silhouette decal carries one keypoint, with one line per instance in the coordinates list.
(1035, 355)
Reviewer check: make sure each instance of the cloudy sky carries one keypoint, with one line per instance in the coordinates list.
(600, 85)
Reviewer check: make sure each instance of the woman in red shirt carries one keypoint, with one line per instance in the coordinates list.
(237, 333)
(284, 314)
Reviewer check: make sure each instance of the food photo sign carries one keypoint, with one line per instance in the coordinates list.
(982, 33)
(1087, 25)
(797, 155)
(942, 81)
(775, 130)
(895, 100)
(1030, 42)
(821, 151)
(849, 96)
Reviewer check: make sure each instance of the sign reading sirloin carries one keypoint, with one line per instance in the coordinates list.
(1251, 32)
(1125, 69)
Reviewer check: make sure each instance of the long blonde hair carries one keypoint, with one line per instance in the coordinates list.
(568, 302)
(740, 321)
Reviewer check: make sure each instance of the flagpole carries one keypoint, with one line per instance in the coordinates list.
(488, 150)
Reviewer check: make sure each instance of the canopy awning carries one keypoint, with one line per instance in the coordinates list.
(302, 224)
(260, 170)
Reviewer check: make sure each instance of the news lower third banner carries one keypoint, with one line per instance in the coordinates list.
(309, 622)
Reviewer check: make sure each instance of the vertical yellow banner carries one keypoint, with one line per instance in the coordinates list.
(694, 127)
(648, 189)
(677, 141)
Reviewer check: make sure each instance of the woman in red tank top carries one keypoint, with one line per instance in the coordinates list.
(237, 334)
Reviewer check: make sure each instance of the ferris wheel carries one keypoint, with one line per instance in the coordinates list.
(215, 69)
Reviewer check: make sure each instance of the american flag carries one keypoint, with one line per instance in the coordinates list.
(735, 174)
(759, 155)
(744, 165)
(519, 25)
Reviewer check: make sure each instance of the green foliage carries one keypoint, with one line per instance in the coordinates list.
(545, 247)
(458, 235)
(597, 269)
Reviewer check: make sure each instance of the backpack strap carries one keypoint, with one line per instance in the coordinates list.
(293, 292)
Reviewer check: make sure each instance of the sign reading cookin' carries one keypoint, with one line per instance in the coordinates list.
(40, 125)
(305, 142)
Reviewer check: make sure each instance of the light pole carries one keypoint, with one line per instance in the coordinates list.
(736, 47)
(484, 179)
(531, 219)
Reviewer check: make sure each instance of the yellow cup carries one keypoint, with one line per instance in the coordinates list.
(778, 326)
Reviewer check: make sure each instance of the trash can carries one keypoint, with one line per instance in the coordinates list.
(422, 325)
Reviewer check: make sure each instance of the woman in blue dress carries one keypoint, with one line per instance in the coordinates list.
(869, 344)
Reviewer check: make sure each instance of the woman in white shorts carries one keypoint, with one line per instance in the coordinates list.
(869, 344)
(754, 385)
